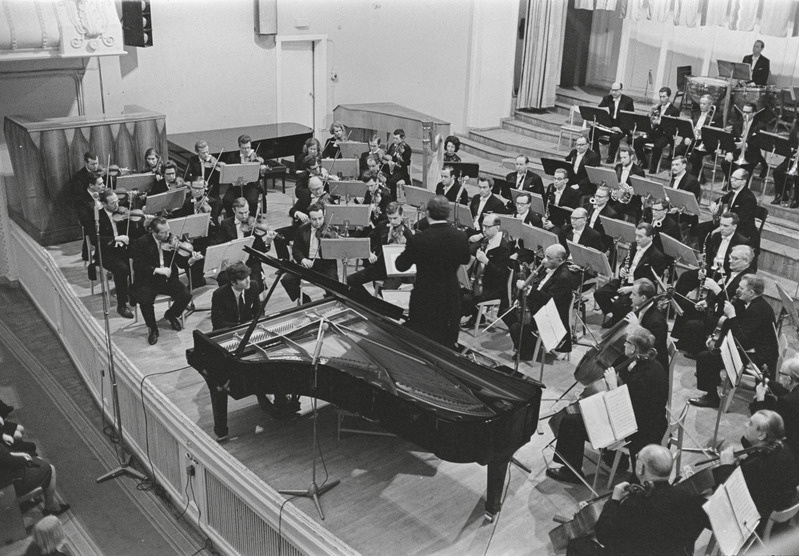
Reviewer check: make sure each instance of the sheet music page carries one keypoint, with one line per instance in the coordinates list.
(733, 515)
(731, 358)
(742, 503)
(390, 254)
(597, 422)
(550, 327)
(620, 412)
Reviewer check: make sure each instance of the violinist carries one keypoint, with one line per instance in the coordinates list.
(155, 267)
(91, 166)
(242, 225)
(153, 163)
(313, 168)
(199, 202)
(115, 237)
(205, 165)
(306, 252)
(315, 194)
(251, 191)
(374, 151)
(450, 187)
(338, 135)
(482, 204)
(451, 147)
(751, 320)
(642, 258)
(311, 151)
(87, 200)
(648, 385)
(770, 471)
(377, 197)
(489, 271)
(171, 180)
(658, 137)
(551, 280)
(399, 162)
(656, 518)
(783, 397)
(391, 231)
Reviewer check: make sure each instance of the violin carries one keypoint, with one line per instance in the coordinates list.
(703, 482)
(113, 170)
(173, 243)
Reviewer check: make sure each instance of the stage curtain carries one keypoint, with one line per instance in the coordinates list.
(718, 13)
(687, 12)
(543, 53)
(779, 19)
(743, 14)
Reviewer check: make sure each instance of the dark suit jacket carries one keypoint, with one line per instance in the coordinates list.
(625, 103)
(216, 210)
(655, 321)
(79, 182)
(687, 183)
(672, 111)
(609, 212)
(787, 405)
(144, 252)
(753, 327)
(84, 203)
(580, 177)
(589, 238)
(452, 194)
(495, 277)
(225, 306)
(362, 166)
(712, 243)
(715, 121)
(227, 232)
(402, 170)
(331, 150)
(379, 237)
(493, 204)
(744, 206)
(668, 227)
(569, 198)
(761, 70)
(559, 287)
(532, 182)
(652, 259)
(435, 306)
(752, 155)
(649, 390)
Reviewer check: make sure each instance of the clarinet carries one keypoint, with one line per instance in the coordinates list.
(626, 266)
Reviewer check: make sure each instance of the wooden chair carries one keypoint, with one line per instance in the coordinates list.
(486, 306)
(782, 516)
(12, 522)
(570, 128)
(136, 307)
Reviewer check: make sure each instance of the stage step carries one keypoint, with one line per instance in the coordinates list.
(550, 119)
(510, 142)
(531, 130)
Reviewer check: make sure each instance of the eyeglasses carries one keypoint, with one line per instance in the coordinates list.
(578, 217)
(659, 209)
(581, 144)
(737, 178)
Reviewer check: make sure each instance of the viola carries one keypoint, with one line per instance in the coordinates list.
(173, 243)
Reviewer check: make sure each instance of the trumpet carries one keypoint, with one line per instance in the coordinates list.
(698, 129)
(623, 194)
(794, 169)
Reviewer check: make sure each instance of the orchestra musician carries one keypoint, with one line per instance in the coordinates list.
(153, 163)
(155, 269)
(659, 138)
(656, 518)
(760, 65)
(601, 207)
(706, 115)
(450, 187)
(642, 259)
(306, 252)
(615, 102)
(437, 252)
(315, 194)
(311, 148)
(90, 168)
(251, 191)
(205, 165)
(171, 180)
(746, 155)
(648, 385)
(313, 167)
(628, 203)
(662, 222)
(751, 320)
(399, 163)
(551, 280)
(786, 177)
(770, 471)
(719, 285)
(681, 179)
(559, 195)
(523, 178)
(489, 271)
(200, 202)
(377, 197)
(391, 231)
(242, 225)
(646, 313)
(84, 202)
(782, 397)
(530, 218)
(374, 151)
(580, 157)
(578, 231)
(451, 147)
(739, 200)
(338, 134)
(483, 203)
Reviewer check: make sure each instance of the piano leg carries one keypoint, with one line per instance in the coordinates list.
(219, 407)
(497, 470)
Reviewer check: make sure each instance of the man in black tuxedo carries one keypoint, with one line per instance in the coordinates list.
(523, 178)
(156, 272)
(553, 281)
(744, 131)
(399, 162)
(601, 207)
(615, 102)
(761, 67)
(662, 222)
(559, 194)
(580, 157)
(306, 252)
(751, 320)
(450, 187)
(626, 167)
(299, 215)
(199, 202)
(237, 301)
(785, 400)
(530, 218)
(374, 151)
(483, 203)
(206, 166)
(701, 118)
(251, 191)
(739, 200)
(90, 169)
(681, 179)
(579, 232)
(437, 252)
(239, 226)
(658, 137)
(649, 316)
(642, 259)
(785, 183)
(491, 260)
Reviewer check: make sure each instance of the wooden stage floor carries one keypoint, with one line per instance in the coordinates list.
(393, 498)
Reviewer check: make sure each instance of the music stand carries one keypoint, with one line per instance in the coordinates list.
(684, 200)
(460, 213)
(342, 167)
(620, 230)
(171, 200)
(638, 123)
(345, 248)
(536, 203)
(589, 260)
(468, 169)
(501, 185)
(716, 140)
(239, 175)
(788, 309)
(647, 188)
(516, 192)
(773, 144)
(390, 253)
(732, 72)
(559, 216)
(349, 216)
(349, 189)
(597, 117)
(537, 239)
(603, 176)
(138, 182)
(193, 226)
(418, 197)
(352, 149)
(679, 251)
(510, 225)
(219, 257)
(552, 164)
(677, 126)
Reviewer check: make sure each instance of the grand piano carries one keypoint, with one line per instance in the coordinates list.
(462, 407)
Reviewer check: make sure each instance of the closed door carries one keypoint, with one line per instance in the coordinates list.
(297, 82)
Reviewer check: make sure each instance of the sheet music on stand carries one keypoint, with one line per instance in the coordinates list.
(342, 167)
(192, 226)
(683, 200)
(536, 203)
(608, 416)
(349, 216)
(590, 259)
(219, 257)
(714, 138)
(171, 200)
(352, 149)
(620, 230)
(537, 239)
(510, 225)
(390, 253)
(460, 213)
(139, 182)
(417, 196)
(733, 364)
(603, 176)
(672, 125)
(552, 164)
(789, 306)
(736, 70)
(240, 174)
(344, 248)
(644, 187)
(596, 115)
(351, 189)
(633, 120)
(732, 513)
(678, 250)
(467, 169)
(550, 328)
(560, 216)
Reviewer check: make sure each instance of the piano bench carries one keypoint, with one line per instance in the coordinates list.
(276, 170)
(368, 426)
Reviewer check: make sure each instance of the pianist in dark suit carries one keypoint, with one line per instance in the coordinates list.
(450, 187)
(437, 252)
(761, 68)
(236, 302)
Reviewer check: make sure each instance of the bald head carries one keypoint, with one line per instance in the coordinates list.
(554, 255)
(655, 462)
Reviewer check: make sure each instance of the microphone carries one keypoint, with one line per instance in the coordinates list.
(323, 326)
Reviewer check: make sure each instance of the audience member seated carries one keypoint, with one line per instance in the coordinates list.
(28, 473)
(47, 538)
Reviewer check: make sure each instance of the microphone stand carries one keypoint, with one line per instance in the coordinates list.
(314, 491)
(125, 468)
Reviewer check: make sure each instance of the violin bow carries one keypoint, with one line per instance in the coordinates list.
(175, 251)
(319, 250)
